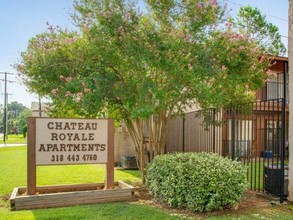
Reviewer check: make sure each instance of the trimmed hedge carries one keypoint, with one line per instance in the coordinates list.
(196, 181)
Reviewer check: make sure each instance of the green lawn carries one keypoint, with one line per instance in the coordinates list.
(13, 174)
(14, 139)
(255, 172)
(255, 176)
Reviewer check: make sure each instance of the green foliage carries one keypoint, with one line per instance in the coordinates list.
(254, 23)
(197, 181)
(135, 66)
(128, 65)
(16, 115)
(22, 118)
(15, 107)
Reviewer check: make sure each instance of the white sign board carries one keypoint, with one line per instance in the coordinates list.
(71, 141)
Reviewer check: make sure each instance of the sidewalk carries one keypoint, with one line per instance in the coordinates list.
(12, 145)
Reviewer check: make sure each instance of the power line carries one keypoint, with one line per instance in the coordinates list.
(9, 81)
(284, 36)
(241, 25)
(7, 73)
(273, 16)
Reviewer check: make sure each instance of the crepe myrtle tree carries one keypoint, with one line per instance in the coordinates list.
(142, 68)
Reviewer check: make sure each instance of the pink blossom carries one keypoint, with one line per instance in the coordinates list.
(77, 99)
(228, 24)
(79, 94)
(224, 68)
(54, 91)
(254, 50)
(198, 5)
(71, 40)
(127, 15)
(214, 2)
(68, 93)
(262, 58)
(68, 79)
(237, 36)
(86, 90)
(271, 73)
(186, 38)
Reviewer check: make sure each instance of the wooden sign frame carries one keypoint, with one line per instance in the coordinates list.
(31, 156)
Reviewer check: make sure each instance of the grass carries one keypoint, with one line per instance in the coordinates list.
(255, 176)
(14, 139)
(13, 174)
(255, 172)
(108, 211)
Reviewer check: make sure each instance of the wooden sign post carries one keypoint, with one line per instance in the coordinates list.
(110, 162)
(31, 157)
(55, 141)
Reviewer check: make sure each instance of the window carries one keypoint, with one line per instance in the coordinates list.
(275, 87)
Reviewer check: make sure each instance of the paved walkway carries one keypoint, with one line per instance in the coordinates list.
(12, 145)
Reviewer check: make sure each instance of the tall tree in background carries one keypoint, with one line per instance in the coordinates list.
(290, 54)
(143, 68)
(14, 111)
(254, 23)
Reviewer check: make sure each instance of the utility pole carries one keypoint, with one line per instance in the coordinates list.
(5, 105)
(5, 109)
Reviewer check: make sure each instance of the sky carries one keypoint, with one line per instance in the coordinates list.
(21, 20)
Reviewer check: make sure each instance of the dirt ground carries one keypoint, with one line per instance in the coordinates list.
(252, 202)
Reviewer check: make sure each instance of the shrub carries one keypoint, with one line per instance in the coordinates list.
(197, 181)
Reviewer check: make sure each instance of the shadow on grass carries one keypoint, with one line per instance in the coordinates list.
(103, 211)
(134, 173)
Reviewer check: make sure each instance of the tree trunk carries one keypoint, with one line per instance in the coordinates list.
(290, 55)
(149, 138)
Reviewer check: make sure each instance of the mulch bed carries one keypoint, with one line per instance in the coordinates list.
(251, 200)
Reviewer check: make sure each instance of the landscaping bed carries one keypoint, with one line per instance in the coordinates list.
(69, 195)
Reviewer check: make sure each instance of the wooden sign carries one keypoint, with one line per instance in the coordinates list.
(55, 141)
(71, 141)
